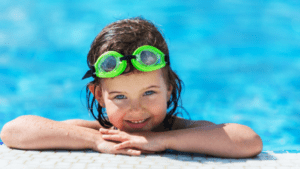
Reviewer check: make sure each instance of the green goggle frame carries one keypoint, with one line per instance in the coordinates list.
(145, 58)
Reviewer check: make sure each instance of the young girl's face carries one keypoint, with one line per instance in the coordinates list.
(135, 101)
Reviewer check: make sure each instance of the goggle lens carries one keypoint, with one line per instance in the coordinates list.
(109, 64)
(148, 58)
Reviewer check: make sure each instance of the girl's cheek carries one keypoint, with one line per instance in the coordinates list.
(115, 110)
(115, 115)
(115, 104)
(121, 104)
(155, 104)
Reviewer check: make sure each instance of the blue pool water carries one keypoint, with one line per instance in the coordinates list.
(239, 60)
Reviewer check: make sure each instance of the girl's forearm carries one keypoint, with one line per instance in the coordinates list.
(225, 140)
(84, 123)
(34, 132)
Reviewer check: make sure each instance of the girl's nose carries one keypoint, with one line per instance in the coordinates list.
(136, 107)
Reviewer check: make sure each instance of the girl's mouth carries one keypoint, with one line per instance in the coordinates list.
(137, 124)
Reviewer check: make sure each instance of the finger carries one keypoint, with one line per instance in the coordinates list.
(139, 152)
(103, 130)
(128, 144)
(131, 152)
(108, 131)
(125, 144)
(114, 137)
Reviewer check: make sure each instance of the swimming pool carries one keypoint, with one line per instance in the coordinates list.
(241, 60)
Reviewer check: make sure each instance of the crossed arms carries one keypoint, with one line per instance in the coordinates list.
(223, 140)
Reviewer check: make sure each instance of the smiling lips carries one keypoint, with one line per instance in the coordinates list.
(137, 124)
(141, 121)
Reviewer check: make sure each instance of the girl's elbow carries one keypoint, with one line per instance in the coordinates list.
(249, 143)
(257, 146)
(10, 132)
(251, 146)
(6, 134)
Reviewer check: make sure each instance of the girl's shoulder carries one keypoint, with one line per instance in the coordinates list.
(181, 123)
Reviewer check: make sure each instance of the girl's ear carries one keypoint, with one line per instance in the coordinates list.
(97, 94)
(170, 89)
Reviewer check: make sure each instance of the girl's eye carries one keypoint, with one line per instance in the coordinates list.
(149, 92)
(120, 97)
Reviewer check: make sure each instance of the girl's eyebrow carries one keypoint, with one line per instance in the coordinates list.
(152, 86)
(113, 92)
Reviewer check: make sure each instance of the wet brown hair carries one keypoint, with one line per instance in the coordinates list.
(124, 36)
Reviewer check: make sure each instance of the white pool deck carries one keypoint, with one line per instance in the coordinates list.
(61, 159)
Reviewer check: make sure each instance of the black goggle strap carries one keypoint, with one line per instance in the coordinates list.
(90, 73)
(128, 58)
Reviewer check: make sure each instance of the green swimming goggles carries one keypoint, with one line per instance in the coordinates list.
(111, 64)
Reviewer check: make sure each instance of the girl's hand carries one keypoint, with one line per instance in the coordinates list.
(146, 141)
(108, 147)
(105, 146)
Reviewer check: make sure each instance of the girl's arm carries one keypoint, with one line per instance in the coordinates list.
(84, 123)
(224, 140)
(34, 132)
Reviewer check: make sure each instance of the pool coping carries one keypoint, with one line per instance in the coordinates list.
(86, 159)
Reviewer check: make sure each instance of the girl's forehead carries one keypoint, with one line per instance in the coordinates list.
(135, 80)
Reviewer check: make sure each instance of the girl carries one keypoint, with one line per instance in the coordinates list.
(136, 94)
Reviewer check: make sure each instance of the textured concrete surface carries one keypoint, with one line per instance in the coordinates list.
(15, 159)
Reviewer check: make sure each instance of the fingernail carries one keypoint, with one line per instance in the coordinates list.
(136, 152)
